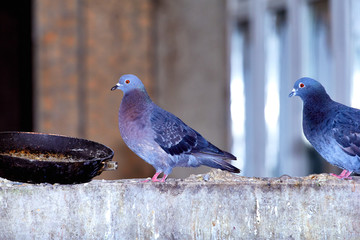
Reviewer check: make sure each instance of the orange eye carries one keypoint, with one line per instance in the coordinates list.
(127, 81)
(301, 85)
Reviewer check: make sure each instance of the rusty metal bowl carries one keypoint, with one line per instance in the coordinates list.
(39, 158)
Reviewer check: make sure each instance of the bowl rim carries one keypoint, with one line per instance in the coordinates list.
(109, 152)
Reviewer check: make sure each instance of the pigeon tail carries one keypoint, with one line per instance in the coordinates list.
(229, 156)
(219, 163)
(211, 150)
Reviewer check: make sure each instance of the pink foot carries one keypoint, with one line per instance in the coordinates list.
(155, 178)
(343, 175)
(163, 178)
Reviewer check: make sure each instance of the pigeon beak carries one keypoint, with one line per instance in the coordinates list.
(117, 86)
(293, 93)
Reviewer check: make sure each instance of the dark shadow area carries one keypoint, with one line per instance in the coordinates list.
(16, 104)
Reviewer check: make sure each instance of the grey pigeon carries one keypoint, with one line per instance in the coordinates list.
(161, 138)
(331, 127)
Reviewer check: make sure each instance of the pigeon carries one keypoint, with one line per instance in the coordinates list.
(159, 137)
(332, 128)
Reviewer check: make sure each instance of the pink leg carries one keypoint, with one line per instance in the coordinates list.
(343, 175)
(155, 178)
(163, 178)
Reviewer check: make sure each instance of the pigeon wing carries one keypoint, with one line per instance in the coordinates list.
(172, 134)
(346, 131)
(176, 138)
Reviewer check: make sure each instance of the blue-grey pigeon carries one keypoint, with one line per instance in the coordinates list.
(331, 127)
(161, 138)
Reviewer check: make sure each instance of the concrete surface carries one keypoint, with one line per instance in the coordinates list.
(217, 205)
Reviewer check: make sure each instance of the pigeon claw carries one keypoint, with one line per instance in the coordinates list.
(155, 178)
(163, 178)
(343, 175)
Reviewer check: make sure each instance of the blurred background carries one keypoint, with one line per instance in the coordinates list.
(225, 67)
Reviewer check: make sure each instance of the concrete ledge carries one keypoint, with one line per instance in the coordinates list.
(217, 205)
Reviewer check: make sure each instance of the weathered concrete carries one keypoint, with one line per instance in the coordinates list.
(218, 205)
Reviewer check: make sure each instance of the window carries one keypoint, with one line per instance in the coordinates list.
(239, 74)
(273, 43)
(275, 47)
(355, 52)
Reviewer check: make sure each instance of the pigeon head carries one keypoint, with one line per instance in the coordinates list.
(308, 87)
(128, 82)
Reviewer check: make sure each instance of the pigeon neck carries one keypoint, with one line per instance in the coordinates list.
(135, 97)
(316, 100)
(316, 107)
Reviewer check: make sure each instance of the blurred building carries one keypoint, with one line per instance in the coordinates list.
(224, 67)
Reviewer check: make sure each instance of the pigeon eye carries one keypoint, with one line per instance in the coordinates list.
(127, 81)
(301, 85)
